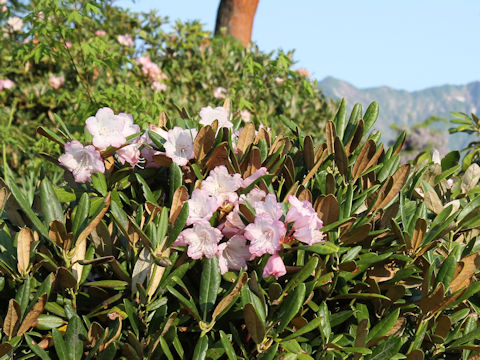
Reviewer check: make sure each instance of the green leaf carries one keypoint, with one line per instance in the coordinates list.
(42, 354)
(302, 275)
(178, 226)
(467, 338)
(23, 295)
(447, 270)
(386, 350)
(312, 325)
(132, 316)
(450, 160)
(48, 322)
(175, 179)
(290, 307)
(227, 345)
(157, 139)
(80, 217)
(60, 346)
(325, 327)
(51, 208)
(384, 325)
(99, 182)
(371, 116)
(27, 209)
(165, 348)
(74, 337)
(341, 119)
(200, 352)
(147, 193)
(209, 285)
(189, 304)
(112, 284)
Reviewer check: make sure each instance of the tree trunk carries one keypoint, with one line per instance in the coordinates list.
(236, 16)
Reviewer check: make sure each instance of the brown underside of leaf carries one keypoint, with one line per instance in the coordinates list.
(12, 320)
(179, 197)
(327, 209)
(31, 318)
(330, 135)
(24, 240)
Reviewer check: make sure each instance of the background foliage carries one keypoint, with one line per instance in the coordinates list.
(396, 277)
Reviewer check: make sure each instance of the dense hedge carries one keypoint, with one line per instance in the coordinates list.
(174, 229)
(69, 59)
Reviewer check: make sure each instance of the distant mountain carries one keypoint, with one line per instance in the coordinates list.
(405, 108)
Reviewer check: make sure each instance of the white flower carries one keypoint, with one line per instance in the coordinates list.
(125, 40)
(220, 93)
(245, 115)
(208, 115)
(233, 254)
(82, 161)
(15, 23)
(158, 86)
(201, 206)
(222, 185)
(179, 145)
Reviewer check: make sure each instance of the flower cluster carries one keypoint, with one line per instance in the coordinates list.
(153, 72)
(232, 240)
(56, 81)
(6, 84)
(125, 40)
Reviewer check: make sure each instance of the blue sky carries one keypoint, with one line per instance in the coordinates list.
(408, 44)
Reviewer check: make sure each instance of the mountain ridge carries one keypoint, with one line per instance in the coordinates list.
(406, 108)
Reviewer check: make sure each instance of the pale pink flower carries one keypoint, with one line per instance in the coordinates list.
(40, 15)
(129, 127)
(303, 72)
(6, 84)
(56, 81)
(148, 154)
(265, 235)
(305, 220)
(220, 93)
(100, 33)
(233, 254)
(179, 145)
(245, 115)
(202, 240)
(258, 173)
(222, 185)
(150, 69)
(4, 8)
(201, 206)
(309, 234)
(301, 213)
(233, 225)
(68, 44)
(208, 115)
(253, 196)
(158, 86)
(450, 183)
(274, 266)
(130, 154)
(269, 206)
(14, 23)
(82, 161)
(279, 81)
(125, 40)
(109, 129)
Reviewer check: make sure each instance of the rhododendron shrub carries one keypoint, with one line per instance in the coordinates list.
(177, 238)
(72, 58)
(165, 225)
